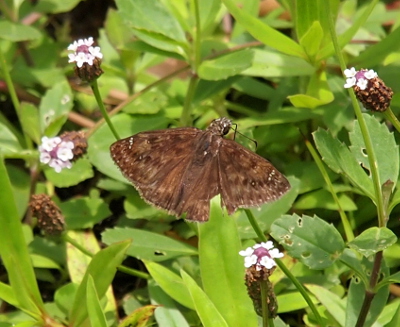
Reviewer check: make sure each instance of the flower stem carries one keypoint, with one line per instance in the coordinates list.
(96, 92)
(389, 115)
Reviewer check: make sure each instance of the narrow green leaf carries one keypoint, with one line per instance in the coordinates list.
(311, 40)
(313, 241)
(7, 294)
(395, 321)
(208, 313)
(95, 311)
(225, 66)
(148, 245)
(9, 143)
(102, 268)
(263, 32)
(384, 146)
(323, 199)
(139, 318)
(222, 268)
(373, 240)
(170, 283)
(30, 121)
(339, 158)
(14, 252)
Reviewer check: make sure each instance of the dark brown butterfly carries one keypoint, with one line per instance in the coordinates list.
(182, 169)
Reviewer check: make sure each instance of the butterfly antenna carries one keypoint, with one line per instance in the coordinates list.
(236, 131)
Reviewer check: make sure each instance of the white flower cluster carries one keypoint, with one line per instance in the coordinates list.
(359, 78)
(84, 52)
(261, 255)
(56, 153)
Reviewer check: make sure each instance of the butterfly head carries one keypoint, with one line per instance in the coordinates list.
(220, 126)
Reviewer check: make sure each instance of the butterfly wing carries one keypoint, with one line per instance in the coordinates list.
(247, 179)
(155, 162)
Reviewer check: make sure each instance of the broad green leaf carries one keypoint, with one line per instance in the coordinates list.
(335, 305)
(222, 269)
(384, 146)
(311, 240)
(167, 311)
(95, 311)
(323, 199)
(84, 212)
(55, 6)
(373, 240)
(102, 269)
(351, 259)
(16, 32)
(7, 294)
(205, 308)
(64, 297)
(339, 158)
(81, 170)
(263, 32)
(148, 245)
(269, 63)
(126, 125)
(14, 252)
(395, 321)
(225, 66)
(54, 108)
(292, 301)
(170, 283)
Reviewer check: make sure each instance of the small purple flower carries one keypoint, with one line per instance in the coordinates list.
(358, 78)
(56, 153)
(261, 255)
(84, 52)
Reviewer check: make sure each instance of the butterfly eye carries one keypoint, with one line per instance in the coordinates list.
(226, 130)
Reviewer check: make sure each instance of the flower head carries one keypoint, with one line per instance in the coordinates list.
(261, 255)
(87, 59)
(56, 153)
(50, 218)
(369, 88)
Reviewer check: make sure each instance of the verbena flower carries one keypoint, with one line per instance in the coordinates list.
(50, 218)
(56, 153)
(261, 255)
(87, 58)
(369, 88)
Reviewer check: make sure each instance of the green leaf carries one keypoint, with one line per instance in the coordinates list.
(81, 170)
(205, 308)
(384, 146)
(84, 212)
(373, 240)
(148, 245)
(54, 108)
(170, 283)
(263, 32)
(55, 6)
(167, 308)
(95, 311)
(222, 269)
(311, 40)
(30, 121)
(14, 252)
(102, 269)
(339, 158)
(20, 183)
(225, 66)
(395, 321)
(141, 317)
(269, 63)
(9, 143)
(7, 294)
(16, 32)
(311, 240)
(350, 258)
(331, 301)
(324, 199)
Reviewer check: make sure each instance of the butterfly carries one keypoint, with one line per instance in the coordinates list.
(181, 169)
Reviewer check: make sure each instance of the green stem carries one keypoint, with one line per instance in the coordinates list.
(363, 127)
(389, 115)
(286, 271)
(14, 97)
(187, 106)
(121, 268)
(197, 37)
(96, 92)
(345, 221)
